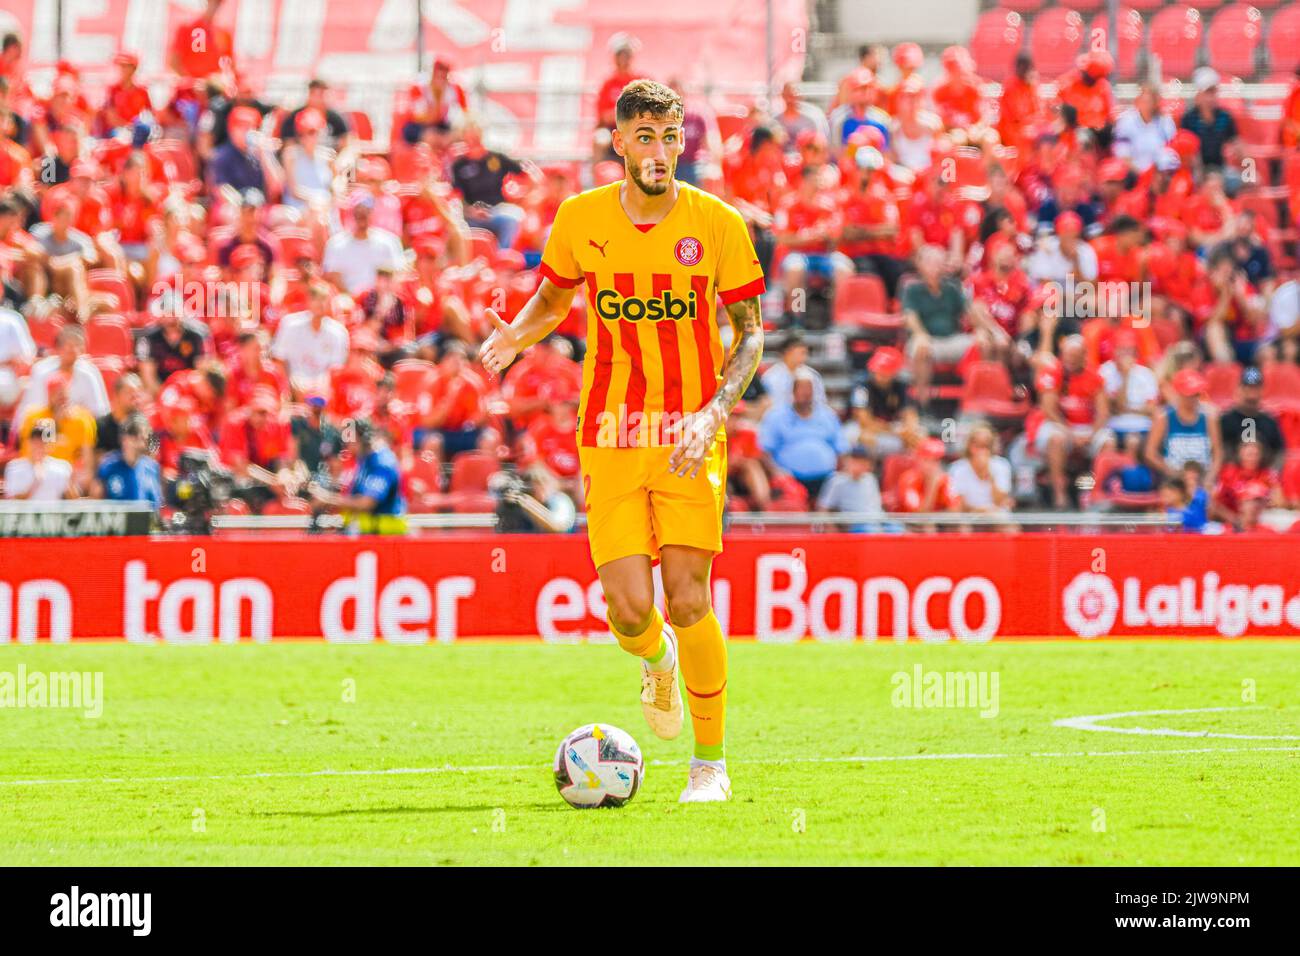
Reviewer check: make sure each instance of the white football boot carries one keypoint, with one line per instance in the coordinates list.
(661, 699)
(707, 784)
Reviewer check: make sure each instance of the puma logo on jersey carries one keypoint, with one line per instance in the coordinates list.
(600, 248)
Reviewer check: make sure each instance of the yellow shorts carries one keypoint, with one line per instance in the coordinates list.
(635, 506)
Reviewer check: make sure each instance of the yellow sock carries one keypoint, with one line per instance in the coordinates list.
(702, 653)
(649, 643)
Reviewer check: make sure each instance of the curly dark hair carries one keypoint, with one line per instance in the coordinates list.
(649, 98)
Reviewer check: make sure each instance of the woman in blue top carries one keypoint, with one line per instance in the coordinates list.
(1187, 431)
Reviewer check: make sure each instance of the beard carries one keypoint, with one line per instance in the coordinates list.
(649, 188)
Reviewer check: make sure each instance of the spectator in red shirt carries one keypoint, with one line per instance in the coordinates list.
(126, 99)
(544, 375)
(249, 371)
(552, 438)
(957, 96)
(1209, 212)
(353, 387)
(257, 445)
(871, 223)
(623, 46)
(1004, 289)
(1086, 91)
(1021, 110)
(201, 48)
(806, 226)
(1242, 479)
(924, 487)
(179, 429)
(457, 405)
(1072, 412)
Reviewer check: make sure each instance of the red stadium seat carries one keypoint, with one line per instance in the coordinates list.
(1281, 385)
(44, 332)
(988, 391)
(1175, 37)
(1223, 378)
(1233, 37)
(361, 125)
(1054, 41)
(470, 470)
(109, 338)
(1284, 39)
(108, 281)
(1088, 6)
(1022, 6)
(1291, 480)
(861, 300)
(998, 37)
(111, 368)
(1146, 6)
(1131, 33)
(409, 378)
(482, 244)
(425, 474)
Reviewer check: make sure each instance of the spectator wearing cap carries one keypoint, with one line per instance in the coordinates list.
(309, 167)
(246, 160)
(881, 416)
(431, 111)
(982, 479)
(91, 211)
(1229, 315)
(858, 110)
(317, 439)
(127, 400)
(908, 59)
(1213, 125)
(373, 502)
(311, 343)
(353, 256)
(248, 231)
(870, 224)
(1143, 130)
(125, 100)
(925, 488)
(1063, 254)
(1248, 421)
(853, 489)
(1086, 94)
(803, 436)
(1070, 193)
(129, 473)
(957, 96)
(36, 475)
(201, 48)
(68, 429)
(1244, 478)
(175, 343)
(1072, 413)
(85, 384)
(778, 380)
(337, 133)
(479, 175)
(1185, 431)
(797, 116)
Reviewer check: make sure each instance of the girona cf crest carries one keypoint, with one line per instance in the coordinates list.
(689, 251)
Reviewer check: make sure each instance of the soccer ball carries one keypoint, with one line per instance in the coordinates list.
(598, 766)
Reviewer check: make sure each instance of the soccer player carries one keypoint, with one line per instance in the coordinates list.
(655, 255)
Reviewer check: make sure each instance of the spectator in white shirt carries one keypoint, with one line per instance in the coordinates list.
(311, 343)
(353, 258)
(1133, 389)
(1064, 254)
(38, 476)
(982, 479)
(1142, 131)
(778, 381)
(17, 351)
(85, 383)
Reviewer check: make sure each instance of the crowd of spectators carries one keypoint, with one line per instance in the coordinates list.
(263, 285)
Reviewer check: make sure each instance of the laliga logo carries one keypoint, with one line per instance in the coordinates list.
(689, 251)
(1091, 604)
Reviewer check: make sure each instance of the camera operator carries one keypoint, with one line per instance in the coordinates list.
(531, 502)
(373, 503)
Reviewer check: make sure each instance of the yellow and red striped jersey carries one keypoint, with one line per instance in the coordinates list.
(653, 349)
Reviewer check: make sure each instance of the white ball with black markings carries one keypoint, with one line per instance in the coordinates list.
(598, 765)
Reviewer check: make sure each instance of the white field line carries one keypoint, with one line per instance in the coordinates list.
(541, 767)
(1093, 723)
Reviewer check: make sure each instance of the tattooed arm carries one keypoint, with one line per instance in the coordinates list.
(737, 372)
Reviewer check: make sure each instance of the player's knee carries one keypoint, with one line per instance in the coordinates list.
(630, 613)
(688, 605)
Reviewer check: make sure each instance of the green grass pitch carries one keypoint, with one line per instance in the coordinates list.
(317, 754)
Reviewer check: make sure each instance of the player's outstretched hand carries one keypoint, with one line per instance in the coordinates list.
(698, 433)
(501, 346)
